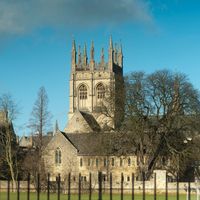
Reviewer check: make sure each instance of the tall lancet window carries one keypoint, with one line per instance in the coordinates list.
(100, 92)
(83, 96)
(58, 156)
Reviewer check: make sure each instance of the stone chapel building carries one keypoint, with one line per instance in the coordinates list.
(94, 112)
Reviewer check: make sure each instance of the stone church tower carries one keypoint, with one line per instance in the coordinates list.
(96, 90)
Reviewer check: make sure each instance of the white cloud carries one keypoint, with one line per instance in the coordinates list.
(22, 16)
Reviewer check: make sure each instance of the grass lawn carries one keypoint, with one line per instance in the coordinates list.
(43, 196)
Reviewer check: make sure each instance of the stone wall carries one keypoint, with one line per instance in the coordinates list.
(138, 186)
(68, 157)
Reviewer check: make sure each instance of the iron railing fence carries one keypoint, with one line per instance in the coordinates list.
(59, 188)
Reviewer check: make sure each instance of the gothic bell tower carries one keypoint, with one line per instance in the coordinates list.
(95, 88)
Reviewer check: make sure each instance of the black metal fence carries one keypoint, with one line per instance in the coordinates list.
(68, 191)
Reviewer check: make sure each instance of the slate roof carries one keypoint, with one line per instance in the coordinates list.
(91, 121)
(99, 144)
(45, 140)
(32, 141)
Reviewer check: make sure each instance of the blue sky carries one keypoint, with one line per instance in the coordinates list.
(36, 37)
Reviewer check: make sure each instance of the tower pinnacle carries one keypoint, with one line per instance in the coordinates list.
(79, 55)
(56, 127)
(110, 43)
(120, 56)
(92, 62)
(110, 52)
(92, 52)
(73, 54)
(116, 54)
(102, 55)
(85, 55)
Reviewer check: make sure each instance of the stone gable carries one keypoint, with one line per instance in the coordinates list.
(68, 156)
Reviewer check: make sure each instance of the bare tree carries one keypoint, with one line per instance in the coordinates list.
(8, 141)
(39, 122)
(111, 106)
(161, 111)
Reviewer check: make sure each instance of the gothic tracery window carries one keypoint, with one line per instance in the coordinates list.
(100, 91)
(83, 92)
(58, 156)
(83, 95)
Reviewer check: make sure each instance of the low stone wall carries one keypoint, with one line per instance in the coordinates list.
(23, 186)
(127, 187)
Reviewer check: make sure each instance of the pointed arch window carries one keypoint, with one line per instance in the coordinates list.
(97, 162)
(113, 162)
(58, 156)
(100, 91)
(105, 162)
(121, 162)
(81, 162)
(83, 95)
(129, 162)
(82, 92)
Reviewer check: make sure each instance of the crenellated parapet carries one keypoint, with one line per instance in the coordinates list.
(80, 61)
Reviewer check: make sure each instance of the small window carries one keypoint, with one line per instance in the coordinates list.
(89, 162)
(137, 160)
(113, 162)
(97, 162)
(121, 162)
(58, 156)
(81, 162)
(128, 178)
(83, 178)
(129, 162)
(105, 162)
(104, 177)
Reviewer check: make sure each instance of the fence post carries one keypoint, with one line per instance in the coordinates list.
(110, 186)
(18, 189)
(122, 186)
(100, 185)
(79, 187)
(69, 186)
(177, 187)
(90, 186)
(166, 188)
(133, 186)
(155, 187)
(38, 187)
(8, 189)
(189, 190)
(58, 186)
(48, 186)
(197, 191)
(0, 189)
(143, 183)
(28, 187)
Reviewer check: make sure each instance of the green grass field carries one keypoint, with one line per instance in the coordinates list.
(43, 196)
